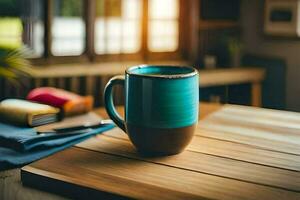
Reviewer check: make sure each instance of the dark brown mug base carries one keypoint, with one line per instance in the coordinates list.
(160, 141)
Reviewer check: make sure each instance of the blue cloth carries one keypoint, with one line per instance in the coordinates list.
(20, 146)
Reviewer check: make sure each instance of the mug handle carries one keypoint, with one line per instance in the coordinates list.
(108, 101)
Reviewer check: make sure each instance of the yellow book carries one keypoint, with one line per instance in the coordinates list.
(22, 112)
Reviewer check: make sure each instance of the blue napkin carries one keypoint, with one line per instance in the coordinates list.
(20, 146)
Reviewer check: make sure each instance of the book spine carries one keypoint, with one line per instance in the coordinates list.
(14, 117)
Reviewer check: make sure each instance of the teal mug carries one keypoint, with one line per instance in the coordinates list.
(161, 107)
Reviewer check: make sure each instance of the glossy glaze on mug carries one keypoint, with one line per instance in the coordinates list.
(161, 107)
(168, 100)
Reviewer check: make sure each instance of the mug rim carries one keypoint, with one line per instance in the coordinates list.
(193, 72)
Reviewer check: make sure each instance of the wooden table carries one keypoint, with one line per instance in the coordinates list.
(11, 186)
(237, 153)
(55, 76)
(231, 76)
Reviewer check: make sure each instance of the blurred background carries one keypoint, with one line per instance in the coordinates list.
(78, 45)
(114, 26)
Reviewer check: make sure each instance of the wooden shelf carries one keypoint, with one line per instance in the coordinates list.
(216, 24)
(92, 69)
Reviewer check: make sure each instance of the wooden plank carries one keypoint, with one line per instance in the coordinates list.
(226, 144)
(92, 69)
(245, 153)
(233, 150)
(145, 180)
(280, 116)
(48, 14)
(199, 162)
(249, 137)
(213, 77)
(216, 165)
(266, 129)
(278, 130)
(256, 94)
(193, 31)
(217, 77)
(89, 15)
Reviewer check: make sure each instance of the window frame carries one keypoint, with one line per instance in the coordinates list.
(89, 54)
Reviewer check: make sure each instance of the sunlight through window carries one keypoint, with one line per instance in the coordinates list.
(163, 25)
(118, 26)
(68, 29)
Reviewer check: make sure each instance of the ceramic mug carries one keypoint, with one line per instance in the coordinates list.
(161, 107)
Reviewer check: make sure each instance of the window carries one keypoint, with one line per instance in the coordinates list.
(68, 28)
(94, 28)
(118, 26)
(22, 22)
(163, 25)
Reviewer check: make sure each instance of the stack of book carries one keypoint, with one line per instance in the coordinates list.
(26, 113)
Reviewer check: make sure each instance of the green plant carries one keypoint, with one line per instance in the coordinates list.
(235, 45)
(13, 64)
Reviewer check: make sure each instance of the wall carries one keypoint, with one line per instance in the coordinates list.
(256, 43)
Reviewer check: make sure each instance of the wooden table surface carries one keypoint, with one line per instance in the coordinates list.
(12, 188)
(237, 153)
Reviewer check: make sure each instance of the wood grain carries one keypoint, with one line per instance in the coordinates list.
(238, 152)
(226, 144)
(233, 150)
(145, 180)
(90, 69)
(205, 163)
(256, 94)
(263, 128)
(217, 77)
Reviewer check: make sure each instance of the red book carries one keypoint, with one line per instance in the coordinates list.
(69, 102)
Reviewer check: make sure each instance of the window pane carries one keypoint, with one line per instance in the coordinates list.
(163, 9)
(68, 28)
(113, 45)
(163, 28)
(131, 27)
(117, 23)
(130, 45)
(11, 30)
(131, 9)
(163, 25)
(113, 27)
(100, 36)
(163, 44)
(22, 23)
